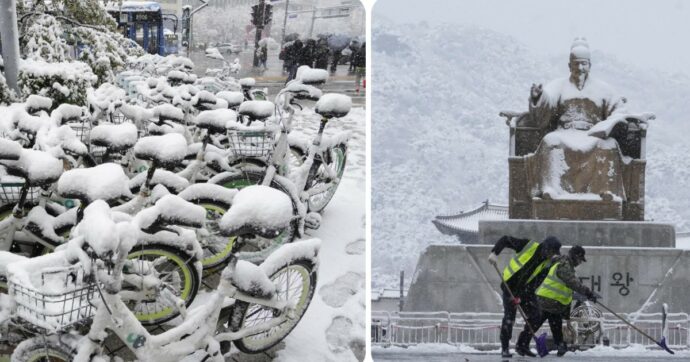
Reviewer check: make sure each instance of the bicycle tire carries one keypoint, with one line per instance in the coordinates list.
(42, 349)
(217, 250)
(336, 157)
(188, 278)
(242, 310)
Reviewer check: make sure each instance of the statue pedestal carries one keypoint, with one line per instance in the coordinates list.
(458, 278)
(577, 209)
(585, 233)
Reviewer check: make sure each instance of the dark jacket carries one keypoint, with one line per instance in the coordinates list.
(293, 52)
(360, 57)
(518, 282)
(566, 271)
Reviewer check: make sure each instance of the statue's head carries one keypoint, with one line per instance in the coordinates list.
(579, 62)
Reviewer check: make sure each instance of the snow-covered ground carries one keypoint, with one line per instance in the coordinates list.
(444, 352)
(333, 327)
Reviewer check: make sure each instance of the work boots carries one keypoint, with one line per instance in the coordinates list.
(522, 347)
(562, 348)
(505, 353)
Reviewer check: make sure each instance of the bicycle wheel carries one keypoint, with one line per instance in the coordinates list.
(250, 177)
(42, 349)
(296, 282)
(216, 247)
(333, 164)
(175, 268)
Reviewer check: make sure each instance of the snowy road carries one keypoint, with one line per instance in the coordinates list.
(447, 353)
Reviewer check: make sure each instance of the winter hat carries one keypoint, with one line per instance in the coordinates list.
(579, 49)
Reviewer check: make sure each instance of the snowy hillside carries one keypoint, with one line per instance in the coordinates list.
(439, 146)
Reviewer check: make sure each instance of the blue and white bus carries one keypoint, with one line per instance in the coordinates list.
(142, 21)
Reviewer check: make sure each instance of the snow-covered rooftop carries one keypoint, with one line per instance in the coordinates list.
(468, 221)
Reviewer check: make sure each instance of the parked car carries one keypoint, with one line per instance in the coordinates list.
(229, 48)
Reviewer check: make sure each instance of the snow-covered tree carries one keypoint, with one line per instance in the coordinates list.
(63, 82)
(48, 27)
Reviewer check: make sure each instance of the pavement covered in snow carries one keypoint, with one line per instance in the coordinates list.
(444, 352)
(333, 327)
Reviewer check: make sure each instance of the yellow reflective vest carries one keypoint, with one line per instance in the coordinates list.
(520, 259)
(554, 288)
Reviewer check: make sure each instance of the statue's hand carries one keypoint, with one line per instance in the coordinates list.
(535, 92)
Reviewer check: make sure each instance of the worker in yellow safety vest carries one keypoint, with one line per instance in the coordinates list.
(523, 274)
(555, 295)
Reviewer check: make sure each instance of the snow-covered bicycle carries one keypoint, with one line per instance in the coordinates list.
(270, 299)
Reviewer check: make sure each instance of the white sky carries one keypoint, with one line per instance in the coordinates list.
(650, 33)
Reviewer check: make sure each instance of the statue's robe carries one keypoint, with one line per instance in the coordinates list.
(570, 164)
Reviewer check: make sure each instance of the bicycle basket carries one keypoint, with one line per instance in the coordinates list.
(61, 299)
(10, 192)
(82, 129)
(250, 143)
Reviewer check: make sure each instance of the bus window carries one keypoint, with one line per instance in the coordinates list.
(139, 36)
(153, 39)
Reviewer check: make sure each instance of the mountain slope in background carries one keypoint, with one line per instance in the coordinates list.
(439, 146)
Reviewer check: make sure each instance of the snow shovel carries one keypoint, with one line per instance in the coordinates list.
(540, 341)
(661, 343)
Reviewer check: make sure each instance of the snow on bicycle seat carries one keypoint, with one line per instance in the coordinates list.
(306, 91)
(309, 75)
(10, 150)
(136, 113)
(204, 98)
(105, 182)
(247, 82)
(32, 124)
(38, 168)
(258, 110)
(333, 105)
(214, 121)
(257, 209)
(35, 103)
(166, 150)
(115, 137)
(250, 279)
(168, 112)
(234, 99)
(171, 210)
(172, 181)
(66, 113)
(42, 225)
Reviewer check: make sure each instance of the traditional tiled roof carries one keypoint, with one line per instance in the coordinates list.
(465, 224)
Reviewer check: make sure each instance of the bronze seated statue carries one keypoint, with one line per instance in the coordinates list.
(577, 154)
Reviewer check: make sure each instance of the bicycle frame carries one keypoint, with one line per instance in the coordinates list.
(194, 333)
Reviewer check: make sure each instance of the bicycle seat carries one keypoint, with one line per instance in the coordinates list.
(172, 181)
(168, 112)
(247, 83)
(204, 100)
(304, 91)
(171, 210)
(115, 137)
(309, 75)
(214, 121)
(65, 113)
(250, 279)
(38, 168)
(31, 124)
(41, 224)
(166, 150)
(9, 150)
(259, 210)
(333, 105)
(234, 99)
(257, 110)
(35, 103)
(105, 182)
